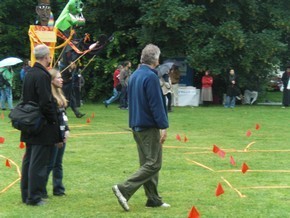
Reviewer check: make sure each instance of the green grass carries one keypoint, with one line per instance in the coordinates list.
(103, 153)
(273, 96)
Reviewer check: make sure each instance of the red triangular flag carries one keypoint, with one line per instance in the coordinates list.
(257, 126)
(249, 133)
(21, 145)
(93, 115)
(178, 137)
(185, 138)
(193, 213)
(219, 190)
(245, 168)
(88, 120)
(221, 153)
(2, 140)
(215, 149)
(232, 161)
(7, 163)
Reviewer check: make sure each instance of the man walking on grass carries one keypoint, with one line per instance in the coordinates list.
(148, 120)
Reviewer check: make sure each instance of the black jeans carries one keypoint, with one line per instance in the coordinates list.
(34, 172)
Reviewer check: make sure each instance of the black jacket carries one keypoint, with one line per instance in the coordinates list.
(285, 79)
(233, 89)
(37, 88)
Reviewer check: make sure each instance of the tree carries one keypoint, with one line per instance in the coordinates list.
(217, 35)
(252, 36)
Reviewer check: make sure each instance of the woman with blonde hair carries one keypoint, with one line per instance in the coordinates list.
(57, 153)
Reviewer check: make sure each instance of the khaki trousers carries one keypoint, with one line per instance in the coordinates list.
(150, 158)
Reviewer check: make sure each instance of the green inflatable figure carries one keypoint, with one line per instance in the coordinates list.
(71, 15)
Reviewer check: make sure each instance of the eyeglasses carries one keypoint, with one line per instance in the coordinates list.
(44, 7)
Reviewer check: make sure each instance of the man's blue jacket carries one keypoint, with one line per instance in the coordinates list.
(147, 107)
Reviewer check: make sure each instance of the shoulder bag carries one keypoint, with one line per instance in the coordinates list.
(27, 118)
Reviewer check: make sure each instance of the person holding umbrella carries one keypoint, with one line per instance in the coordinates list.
(6, 77)
(6, 87)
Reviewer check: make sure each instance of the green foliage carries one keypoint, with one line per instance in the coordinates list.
(17, 83)
(15, 20)
(250, 36)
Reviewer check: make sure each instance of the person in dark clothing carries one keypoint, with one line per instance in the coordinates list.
(25, 68)
(232, 90)
(124, 76)
(286, 87)
(69, 89)
(166, 86)
(37, 88)
(148, 120)
(78, 82)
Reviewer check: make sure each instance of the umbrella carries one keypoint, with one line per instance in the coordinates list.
(10, 61)
(164, 68)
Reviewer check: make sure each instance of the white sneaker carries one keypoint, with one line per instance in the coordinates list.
(122, 200)
(165, 205)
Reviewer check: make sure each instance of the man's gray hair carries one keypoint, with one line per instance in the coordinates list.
(150, 54)
(40, 51)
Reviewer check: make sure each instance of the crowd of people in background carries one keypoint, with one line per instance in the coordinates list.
(214, 88)
(121, 77)
(226, 90)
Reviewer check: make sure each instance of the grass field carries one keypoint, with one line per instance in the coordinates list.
(101, 153)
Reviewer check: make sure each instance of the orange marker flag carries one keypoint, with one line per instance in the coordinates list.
(193, 213)
(185, 138)
(7, 163)
(249, 133)
(221, 153)
(244, 168)
(21, 145)
(219, 190)
(232, 161)
(2, 116)
(215, 149)
(93, 115)
(2, 140)
(257, 126)
(88, 120)
(178, 137)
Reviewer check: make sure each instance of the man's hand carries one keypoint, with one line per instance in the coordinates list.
(163, 135)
